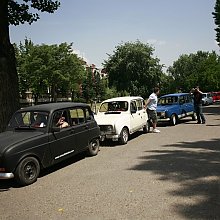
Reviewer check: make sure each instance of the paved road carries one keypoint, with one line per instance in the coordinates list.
(171, 175)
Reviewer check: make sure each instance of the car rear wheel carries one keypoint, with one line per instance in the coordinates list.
(146, 128)
(124, 136)
(173, 120)
(27, 171)
(93, 147)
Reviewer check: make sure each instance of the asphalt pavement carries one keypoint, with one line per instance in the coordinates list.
(170, 175)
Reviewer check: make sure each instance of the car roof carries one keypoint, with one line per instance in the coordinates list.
(50, 107)
(175, 94)
(123, 98)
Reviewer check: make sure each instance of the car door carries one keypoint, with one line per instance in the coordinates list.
(80, 128)
(142, 113)
(187, 106)
(180, 106)
(62, 140)
(135, 116)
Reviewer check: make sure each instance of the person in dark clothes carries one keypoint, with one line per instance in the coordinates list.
(197, 97)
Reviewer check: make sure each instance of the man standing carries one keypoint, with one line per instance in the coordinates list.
(197, 97)
(151, 105)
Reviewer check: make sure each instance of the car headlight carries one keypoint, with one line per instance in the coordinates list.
(163, 114)
(109, 128)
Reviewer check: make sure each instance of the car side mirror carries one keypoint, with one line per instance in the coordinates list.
(55, 129)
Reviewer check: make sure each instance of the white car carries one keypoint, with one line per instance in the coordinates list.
(119, 117)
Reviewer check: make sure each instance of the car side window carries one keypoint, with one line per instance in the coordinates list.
(181, 100)
(89, 115)
(139, 104)
(187, 99)
(77, 116)
(133, 106)
(61, 119)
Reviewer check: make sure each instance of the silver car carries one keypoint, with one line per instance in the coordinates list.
(207, 99)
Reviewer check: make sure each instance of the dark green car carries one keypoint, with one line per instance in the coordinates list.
(42, 135)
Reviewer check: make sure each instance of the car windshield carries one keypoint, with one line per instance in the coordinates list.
(169, 100)
(115, 106)
(29, 119)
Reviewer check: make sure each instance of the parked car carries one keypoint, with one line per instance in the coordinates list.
(207, 98)
(173, 107)
(215, 96)
(121, 116)
(36, 138)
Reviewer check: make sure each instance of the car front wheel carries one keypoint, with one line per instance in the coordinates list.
(173, 120)
(124, 136)
(93, 147)
(27, 171)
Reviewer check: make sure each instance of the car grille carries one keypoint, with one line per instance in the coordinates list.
(106, 129)
(103, 128)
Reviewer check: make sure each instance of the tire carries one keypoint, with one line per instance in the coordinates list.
(146, 128)
(124, 135)
(194, 117)
(173, 120)
(27, 171)
(93, 147)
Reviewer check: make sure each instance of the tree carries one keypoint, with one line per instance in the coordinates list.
(132, 69)
(216, 16)
(88, 88)
(12, 12)
(201, 68)
(48, 67)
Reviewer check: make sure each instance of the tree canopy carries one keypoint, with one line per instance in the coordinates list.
(132, 69)
(19, 13)
(201, 68)
(216, 15)
(48, 67)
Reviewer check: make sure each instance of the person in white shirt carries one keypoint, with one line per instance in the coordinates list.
(151, 105)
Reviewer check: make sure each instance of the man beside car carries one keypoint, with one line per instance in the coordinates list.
(197, 98)
(151, 106)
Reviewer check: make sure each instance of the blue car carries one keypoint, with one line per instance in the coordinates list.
(172, 107)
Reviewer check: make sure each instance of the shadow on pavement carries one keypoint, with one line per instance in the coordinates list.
(196, 167)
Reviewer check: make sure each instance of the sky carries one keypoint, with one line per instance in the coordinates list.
(97, 27)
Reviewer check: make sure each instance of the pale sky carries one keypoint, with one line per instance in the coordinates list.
(96, 27)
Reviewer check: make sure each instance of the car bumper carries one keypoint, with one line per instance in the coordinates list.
(163, 119)
(113, 137)
(6, 176)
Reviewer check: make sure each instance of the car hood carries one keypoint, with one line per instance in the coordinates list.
(107, 119)
(9, 138)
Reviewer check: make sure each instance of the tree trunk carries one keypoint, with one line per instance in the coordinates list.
(9, 93)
